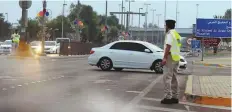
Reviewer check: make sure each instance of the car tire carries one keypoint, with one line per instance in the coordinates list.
(157, 67)
(118, 69)
(105, 64)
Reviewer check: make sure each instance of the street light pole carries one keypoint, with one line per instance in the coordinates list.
(139, 21)
(153, 12)
(197, 10)
(119, 16)
(146, 19)
(6, 16)
(176, 12)
(63, 20)
(122, 17)
(159, 38)
(106, 31)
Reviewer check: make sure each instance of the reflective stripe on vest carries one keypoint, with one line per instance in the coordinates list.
(176, 44)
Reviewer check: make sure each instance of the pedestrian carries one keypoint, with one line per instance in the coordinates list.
(170, 63)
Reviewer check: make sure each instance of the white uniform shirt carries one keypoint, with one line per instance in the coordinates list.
(168, 39)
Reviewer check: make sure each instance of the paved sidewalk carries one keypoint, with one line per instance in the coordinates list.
(209, 90)
(220, 62)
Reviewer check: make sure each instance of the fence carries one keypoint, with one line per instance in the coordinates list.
(76, 48)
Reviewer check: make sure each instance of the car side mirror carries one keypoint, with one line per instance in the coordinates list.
(147, 51)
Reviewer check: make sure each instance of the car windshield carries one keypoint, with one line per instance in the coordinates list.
(7, 42)
(154, 47)
(50, 43)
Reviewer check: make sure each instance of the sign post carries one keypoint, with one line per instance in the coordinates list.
(212, 28)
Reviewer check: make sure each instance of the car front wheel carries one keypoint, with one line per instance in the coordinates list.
(106, 64)
(157, 67)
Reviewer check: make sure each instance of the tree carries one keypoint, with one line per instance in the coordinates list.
(5, 28)
(150, 25)
(112, 35)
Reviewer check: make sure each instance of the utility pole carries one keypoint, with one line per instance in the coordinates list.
(78, 30)
(145, 33)
(6, 17)
(197, 10)
(43, 25)
(106, 31)
(119, 16)
(165, 13)
(159, 38)
(153, 14)
(176, 12)
(62, 35)
(122, 16)
(139, 22)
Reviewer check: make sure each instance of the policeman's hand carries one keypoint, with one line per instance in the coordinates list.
(164, 61)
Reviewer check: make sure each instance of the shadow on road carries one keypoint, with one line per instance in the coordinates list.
(127, 71)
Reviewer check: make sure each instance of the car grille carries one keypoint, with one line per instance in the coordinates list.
(182, 60)
(47, 48)
(6, 47)
(184, 66)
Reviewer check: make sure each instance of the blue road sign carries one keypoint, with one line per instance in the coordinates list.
(213, 28)
(196, 44)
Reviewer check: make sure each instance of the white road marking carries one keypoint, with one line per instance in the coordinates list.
(141, 95)
(108, 89)
(33, 82)
(4, 89)
(161, 109)
(38, 81)
(62, 76)
(19, 85)
(134, 92)
(44, 80)
(12, 87)
(191, 104)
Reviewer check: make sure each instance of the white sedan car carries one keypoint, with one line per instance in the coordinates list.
(52, 47)
(129, 54)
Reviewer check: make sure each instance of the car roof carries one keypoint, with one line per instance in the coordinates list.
(134, 41)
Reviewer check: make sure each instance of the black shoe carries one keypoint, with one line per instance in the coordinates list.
(166, 101)
(175, 100)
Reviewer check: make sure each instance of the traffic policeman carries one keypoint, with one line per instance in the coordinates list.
(15, 39)
(170, 63)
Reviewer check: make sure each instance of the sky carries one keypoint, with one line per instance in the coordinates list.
(186, 17)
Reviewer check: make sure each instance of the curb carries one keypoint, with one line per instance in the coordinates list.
(210, 64)
(206, 100)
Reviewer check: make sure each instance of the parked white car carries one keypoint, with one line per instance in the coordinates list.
(129, 54)
(6, 47)
(51, 47)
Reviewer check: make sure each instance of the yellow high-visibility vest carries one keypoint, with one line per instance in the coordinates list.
(176, 44)
(16, 38)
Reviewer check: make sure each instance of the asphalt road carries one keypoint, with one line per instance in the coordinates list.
(71, 85)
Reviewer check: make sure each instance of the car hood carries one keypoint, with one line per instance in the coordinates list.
(49, 46)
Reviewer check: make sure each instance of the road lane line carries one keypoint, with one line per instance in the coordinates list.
(190, 104)
(4, 89)
(33, 82)
(44, 80)
(12, 87)
(161, 109)
(141, 95)
(38, 81)
(19, 85)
